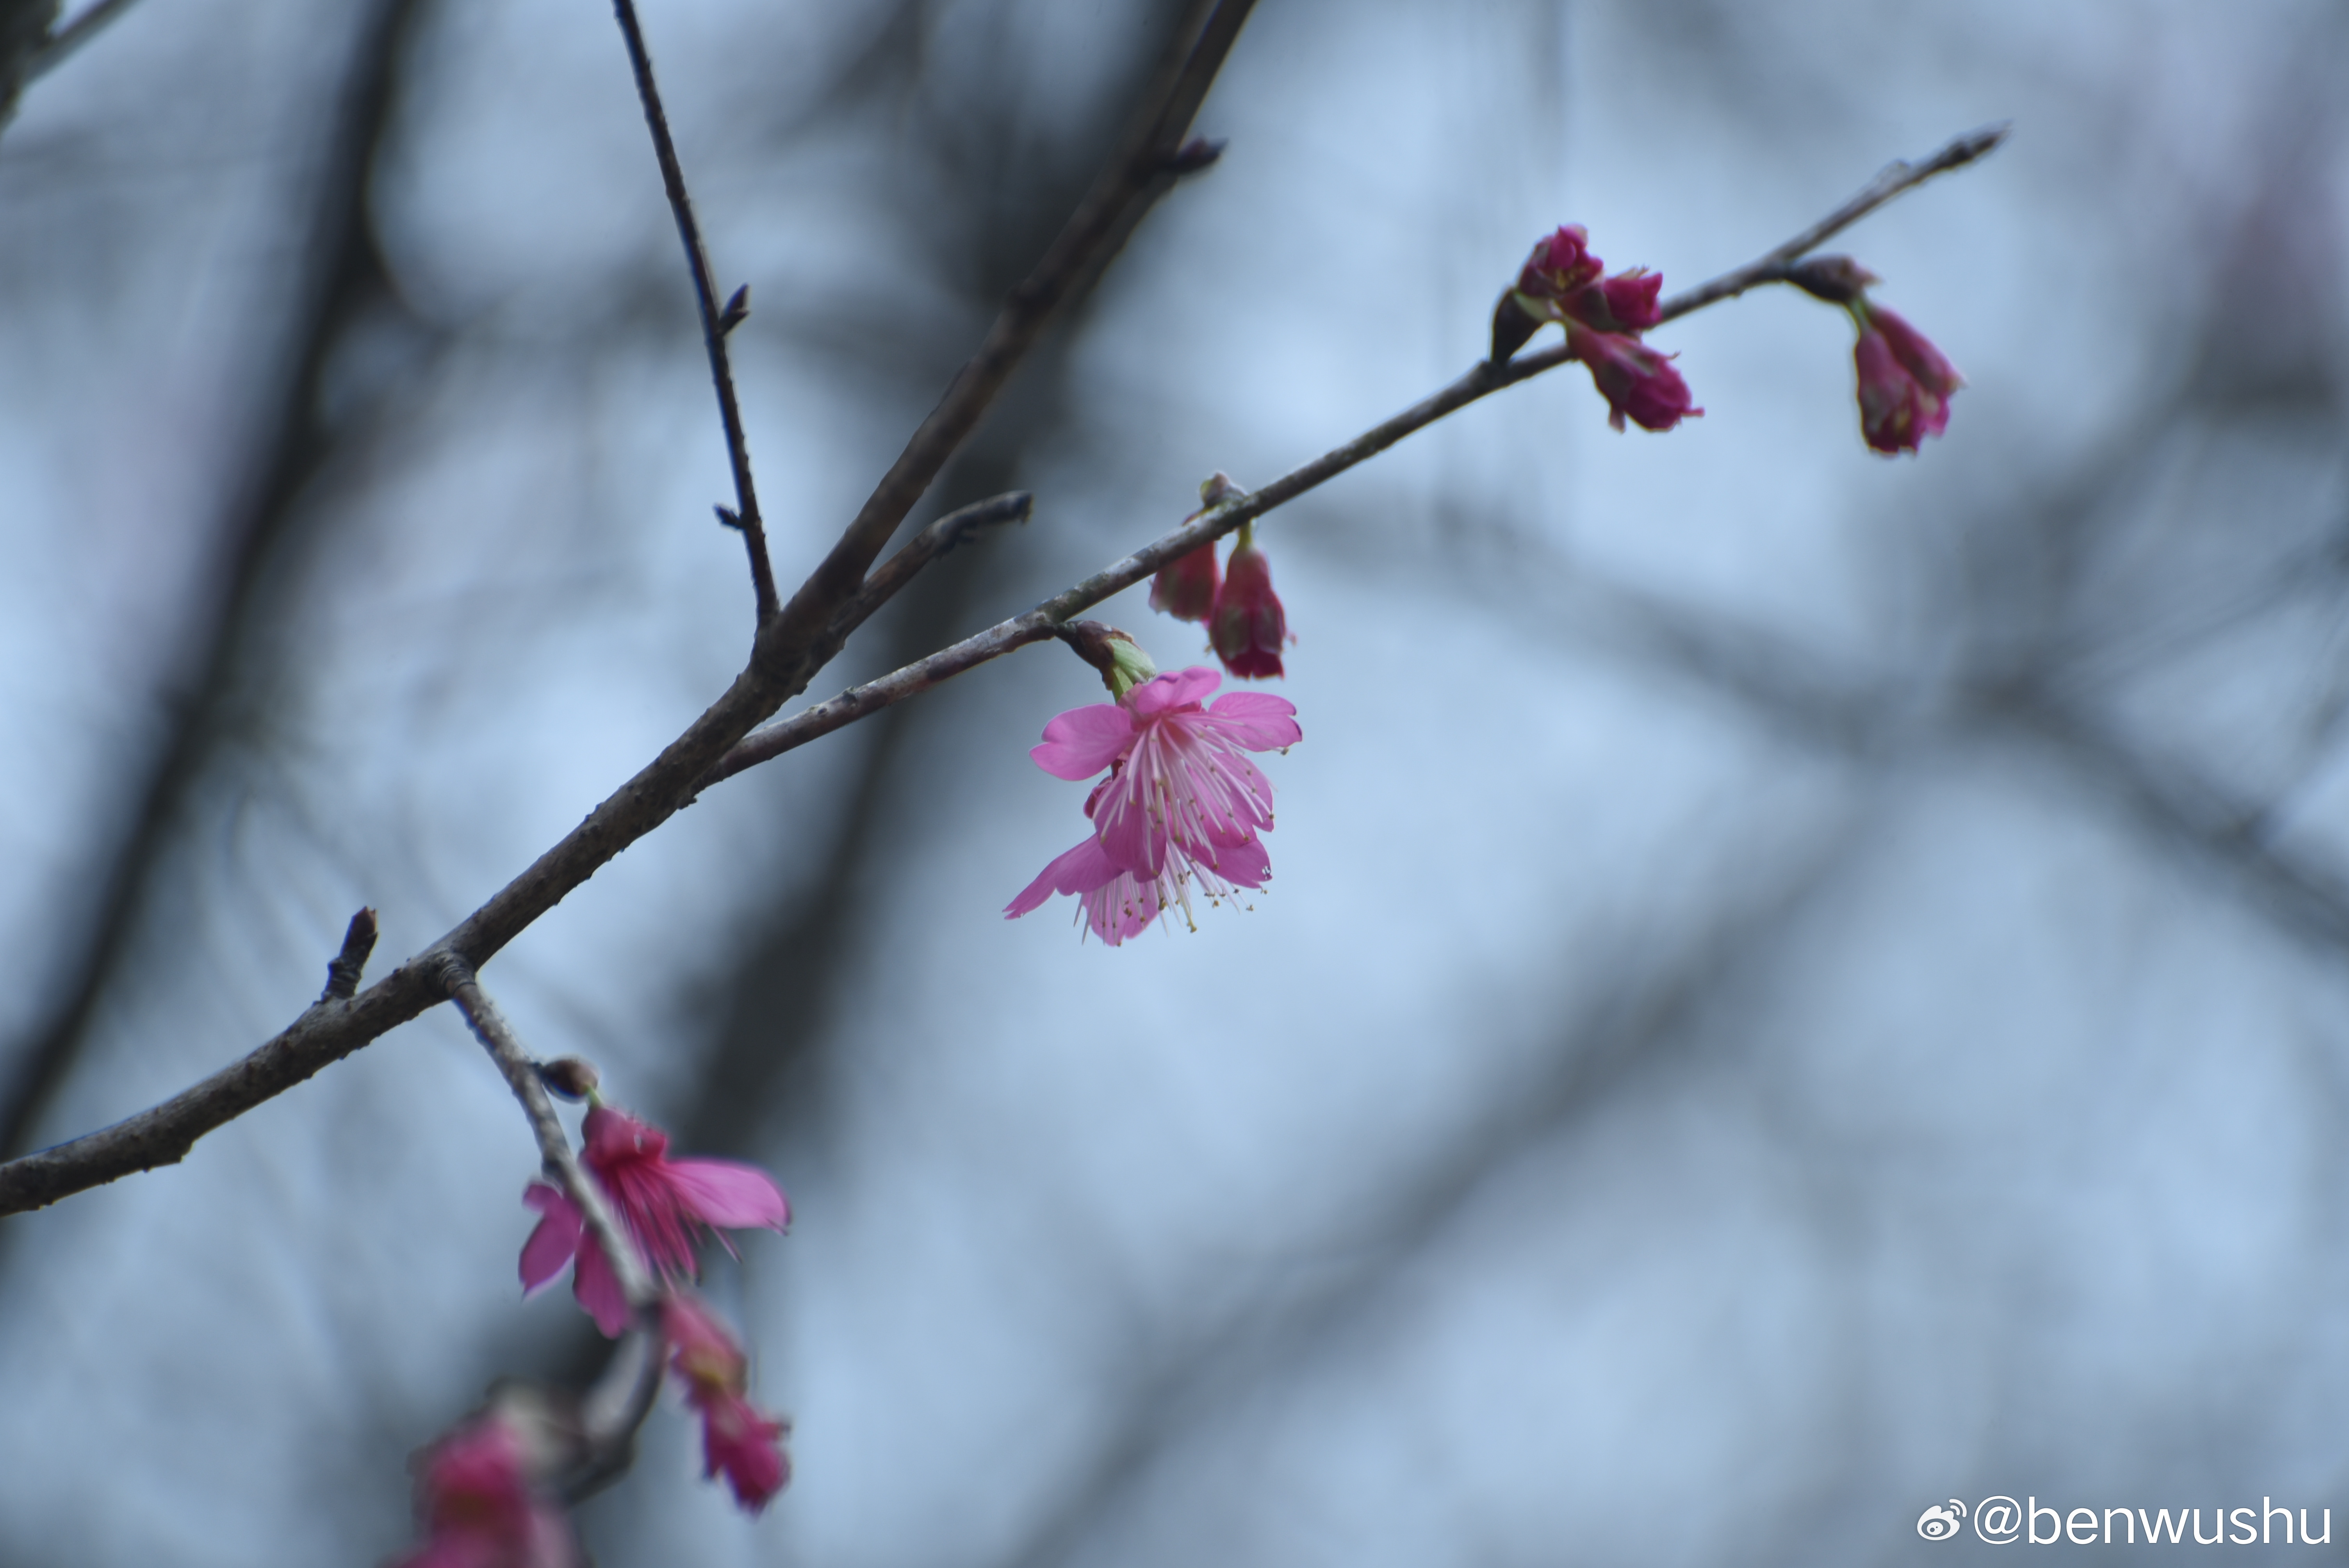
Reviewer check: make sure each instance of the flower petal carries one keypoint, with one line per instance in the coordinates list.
(598, 1289)
(1171, 690)
(1078, 870)
(1082, 741)
(1258, 720)
(1245, 864)
(555, 1240)
(721, 1192)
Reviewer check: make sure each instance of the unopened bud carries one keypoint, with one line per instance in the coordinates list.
(1839, 280)
(1219, 487)
(573, 1077)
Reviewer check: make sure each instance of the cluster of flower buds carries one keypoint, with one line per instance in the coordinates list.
(1245, 621)
(1562, 282)
(1181, 803)
(482, 1493)
(1905, 382)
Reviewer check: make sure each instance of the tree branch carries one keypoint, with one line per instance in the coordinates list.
(73, 35)
(1143, 170)
(709, 751)
(744, 516)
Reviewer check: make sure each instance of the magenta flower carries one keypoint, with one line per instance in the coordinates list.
(1635, 379)
(1182, 802)
(1249, 626)
(1560, 267)
(1905, 383)
(1184, 587)
(479, 1509)
(1633, 299)
(664, 1203)
(736, 1437)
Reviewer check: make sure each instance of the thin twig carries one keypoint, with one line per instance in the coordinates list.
(1898, 176)
(344, 970)
(925, 547)
(707, 752)
(72, 37)
(1144, 168)
(622, 1400)
(1482, 380)
(744, 516)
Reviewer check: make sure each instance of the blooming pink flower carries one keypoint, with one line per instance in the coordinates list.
(1633, 299)
(1905, 382)
(1635, 379)
(664, 1203)
(479, 1509)
(1184, 587)
(1181, 801)
(736, 1437)
(1249, 626)
(1560, 267)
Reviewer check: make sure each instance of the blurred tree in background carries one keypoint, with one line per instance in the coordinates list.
(1799, 985)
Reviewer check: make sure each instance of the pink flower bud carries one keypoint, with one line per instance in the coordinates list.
(1248, 626)
(480, 1508)
(1632, 299)
(1185, 586)
(1905, 383)
(1560, 266)
(1636, 382)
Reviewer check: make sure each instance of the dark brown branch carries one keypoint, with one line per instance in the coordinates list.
(715, 324)
(1143, 168)
(707, 752)
(623, 1398)
(925, 547)
(1896, 178)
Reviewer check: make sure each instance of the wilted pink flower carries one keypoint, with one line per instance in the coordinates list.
(1904, 382)
(1184, 587)
(1249, 626)
(664, 1203)
(1181, 801)
(736, 1437)
(1635, 379)
(479, 1509)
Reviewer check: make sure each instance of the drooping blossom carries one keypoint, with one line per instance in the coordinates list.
(476, 1500)
(1562, 282)
(1249, 626)
(1637, 381)
(737, 1438)
(1181, 803)
(665, 1204)
(1905, 383)
(1185, 586)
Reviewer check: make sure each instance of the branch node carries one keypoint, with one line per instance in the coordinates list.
(1194, 155)
(343, 970)
(728, 517)
(736, 311)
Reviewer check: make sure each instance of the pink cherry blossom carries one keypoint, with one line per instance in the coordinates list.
(737, 1438)
(1181, 803)
(665, 1204)
(1633, 299)
(1248, 624)
(1560, 266)
(479, 1509)
(1905, 383)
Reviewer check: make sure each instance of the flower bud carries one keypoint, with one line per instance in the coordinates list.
(1185, 586)
(1905, 383)
(1637, 381)
(573, 1077)
(1249, 626)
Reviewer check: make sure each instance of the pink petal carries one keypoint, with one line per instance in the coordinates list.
(555, 1240)
(598, 1289)
(1245, 864)
(1121, 909)
(1258, 720)
(724, 1193)
(1082, 741)
(1078, 870)
(1176, 690)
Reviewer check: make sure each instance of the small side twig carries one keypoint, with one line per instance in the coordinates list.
(715, 324)
(72, 37)
(343, 970)
(622, 1398)
(937, 540)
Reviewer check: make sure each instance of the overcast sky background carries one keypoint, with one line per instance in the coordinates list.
(1797, 986)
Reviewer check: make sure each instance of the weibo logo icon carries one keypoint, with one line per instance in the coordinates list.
(1940, 1522)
